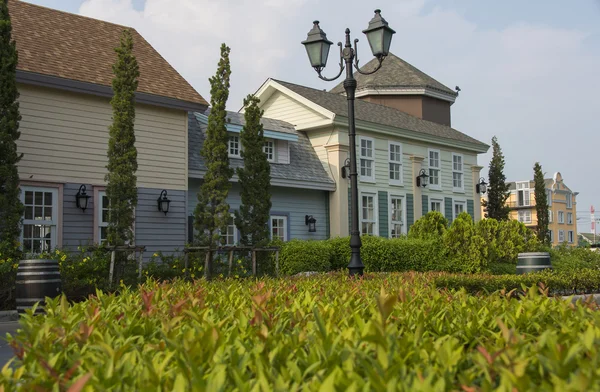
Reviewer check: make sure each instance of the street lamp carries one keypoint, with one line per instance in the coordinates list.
(379, 35)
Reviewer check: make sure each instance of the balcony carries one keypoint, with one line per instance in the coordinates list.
(519, 205)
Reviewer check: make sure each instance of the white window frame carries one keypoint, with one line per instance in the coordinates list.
(569, 218)
(437, 168)
(52, 223)
(549, 197)
(570, 237)
(234, 139)
(400, 180)
(458, 202)
(285, 226)
(524, 216)
(561, 236)
(366, 158)
(235, 232)
(375, 220)
(436, 200)
(270, 155)
(550, 215)
(551, 234)
(460, 171)
(561, 217)
(98, 206)
(526, 193)
(402, 221)
(569, 199)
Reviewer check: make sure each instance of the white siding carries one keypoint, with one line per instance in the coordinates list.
(319, 139)
(281, 107)
(64, 138)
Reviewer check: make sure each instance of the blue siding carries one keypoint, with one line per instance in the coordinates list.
(410, 211)
(296, 202)
(327, 215)
(471, 208)
(448, 210)
(425, 206)
(383, 214)
(78, 226)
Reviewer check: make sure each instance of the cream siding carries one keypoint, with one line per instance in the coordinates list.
(281, 107)
(64, 137)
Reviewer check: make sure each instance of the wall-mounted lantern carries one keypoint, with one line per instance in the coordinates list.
(346, 168)
(422, 179)
(163, 202)
(311, 222)
(481, 188)
(81, 198)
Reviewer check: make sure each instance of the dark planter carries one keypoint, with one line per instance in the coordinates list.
(36, 280)
(533, 262)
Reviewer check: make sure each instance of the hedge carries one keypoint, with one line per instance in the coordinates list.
(393, 332)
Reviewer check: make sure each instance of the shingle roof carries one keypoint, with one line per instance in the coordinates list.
(590, 237)
(394, 73)
(268, 123)
(304, 163)
(64, 45)
(380, 114)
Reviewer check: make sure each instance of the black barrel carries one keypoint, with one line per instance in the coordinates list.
(533, 262)
(36, 280)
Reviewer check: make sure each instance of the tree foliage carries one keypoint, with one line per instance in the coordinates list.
(541, 204)
(431, 226)
(121, 187)
(254, 178)
(11, 208)
(498, 193)
(211, 215)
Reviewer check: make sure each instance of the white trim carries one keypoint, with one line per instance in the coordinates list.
(53, 222)
(561, 217)
(569, 218)
(235, 232)
(561, 234)
(98, 207)
(375, 220)
(407, 91)
(460, 171)
(569, 200)
(437, 186)
(403, 217)
(550, 215)
(526, 214)
(283, 182)
(551, 234)
(400, 181)
(549, 197)
(366, 158)
(285, 226)
(273, 148)
(455, 202)
(571, 237)
(437, 200)
(231, 138)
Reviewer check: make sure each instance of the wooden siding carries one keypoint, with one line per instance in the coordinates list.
(296, 203)
(319, 139)
(64, 138)
(282, 107)
(78, 226)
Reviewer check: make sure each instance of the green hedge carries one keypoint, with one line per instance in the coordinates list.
(301, 256)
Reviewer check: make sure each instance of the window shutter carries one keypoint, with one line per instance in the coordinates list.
(383, 214)
(410, 211)
(448, 208)
(425, 207)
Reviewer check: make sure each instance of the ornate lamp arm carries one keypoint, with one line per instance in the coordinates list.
(379, 58)
(319, 69)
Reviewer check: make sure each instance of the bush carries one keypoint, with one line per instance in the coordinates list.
(432, 226)
(330, 333)
(567, 258)
(300, 256)
(340, 252)
(466, 250)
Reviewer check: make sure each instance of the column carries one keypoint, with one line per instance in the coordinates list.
(338, 200)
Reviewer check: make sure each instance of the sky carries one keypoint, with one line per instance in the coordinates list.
(529, 71)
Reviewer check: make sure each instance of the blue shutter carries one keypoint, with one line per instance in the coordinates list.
(471, 208)
(448, 209)
(410, 211)
(383, 214)
(425, 207)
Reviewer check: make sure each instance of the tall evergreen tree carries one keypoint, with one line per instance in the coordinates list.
(121, 188)
(498, 193)
(254, 178)
(11, 208)
(211, 215)
(541, 204)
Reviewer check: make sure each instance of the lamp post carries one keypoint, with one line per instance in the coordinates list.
(379, 35)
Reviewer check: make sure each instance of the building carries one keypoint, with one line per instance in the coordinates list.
(403, 127)
(562, 208)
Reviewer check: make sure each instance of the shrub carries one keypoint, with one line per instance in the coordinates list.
(340, 252)
(567, 258)
(432, 226)
(466, 250)
(514, 238)
(383, 332)
(301, 256)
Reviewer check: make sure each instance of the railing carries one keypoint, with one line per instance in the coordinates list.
(518, 204)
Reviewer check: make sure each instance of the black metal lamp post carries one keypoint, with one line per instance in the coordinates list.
(379, 35)
(481, 188)
(163, 202)
(81, 198)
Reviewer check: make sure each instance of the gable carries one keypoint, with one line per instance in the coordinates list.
(282, 107)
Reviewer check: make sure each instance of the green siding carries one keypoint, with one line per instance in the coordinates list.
(471, 208)
(410, 211)
(448, 208)
(425, 207)
(383, 214)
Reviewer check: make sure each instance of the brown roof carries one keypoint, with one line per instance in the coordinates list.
(75, 47)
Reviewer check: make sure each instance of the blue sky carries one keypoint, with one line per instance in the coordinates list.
(528, 70)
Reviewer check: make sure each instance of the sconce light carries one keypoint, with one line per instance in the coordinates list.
(422, 179)
(346, 169)
(311, 222)
(81, 198)
(163, 202)
(482, 186)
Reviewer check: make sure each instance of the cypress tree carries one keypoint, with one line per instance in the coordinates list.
(541, 204)
(11, 208)
(254, 178)
(121, 188)
(211, 215)
(498, 193)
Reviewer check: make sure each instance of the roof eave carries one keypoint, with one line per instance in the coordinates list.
(282, 182)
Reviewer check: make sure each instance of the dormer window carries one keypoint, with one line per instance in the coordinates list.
(234, 146)
(269, 150)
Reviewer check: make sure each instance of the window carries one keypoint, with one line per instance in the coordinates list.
(434, 169)
(457, 172)
(523, 194)
(551, 235)
(396, 216)
(368, 221)
(459, 207)
(40, 219)
(231, 237)
(561, 236)
(569, 200)
(570, 236)
(525, 216)
(269, 150)
(102, 216)
(550, 216)
(569, 218)
(367, 169)
(395, 163)
(279, 227)
(549, 197)
(234, 146)
(561, 217)
(436, 205)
